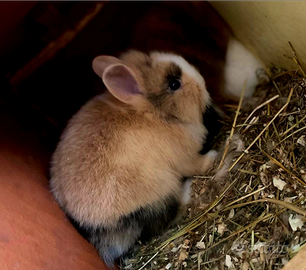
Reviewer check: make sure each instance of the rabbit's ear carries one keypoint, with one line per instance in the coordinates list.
(120, 81)
(100, 63)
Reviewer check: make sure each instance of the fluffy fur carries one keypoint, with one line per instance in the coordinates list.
(120, 162)
(240, 69)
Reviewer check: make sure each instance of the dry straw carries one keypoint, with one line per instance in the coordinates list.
(260, 196)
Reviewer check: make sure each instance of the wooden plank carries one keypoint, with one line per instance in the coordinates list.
(298, 262)
(34, 232)
(53, 47)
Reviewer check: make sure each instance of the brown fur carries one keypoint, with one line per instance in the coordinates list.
(115, 157)
(120, 162)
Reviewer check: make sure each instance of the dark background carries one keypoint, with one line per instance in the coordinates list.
(45, 91)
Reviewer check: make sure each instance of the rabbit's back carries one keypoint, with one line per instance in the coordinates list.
(105, 166)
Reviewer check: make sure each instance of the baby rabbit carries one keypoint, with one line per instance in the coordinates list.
(117, 171)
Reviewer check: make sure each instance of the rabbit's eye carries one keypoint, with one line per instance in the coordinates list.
(174, 84)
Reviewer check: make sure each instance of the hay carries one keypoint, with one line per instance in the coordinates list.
(248, 212)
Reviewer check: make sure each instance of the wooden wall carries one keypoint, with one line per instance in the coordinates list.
(265, 27)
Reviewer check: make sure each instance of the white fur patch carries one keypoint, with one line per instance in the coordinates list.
(185, 67)
(212, 154)
(186, 196)
(240, 68)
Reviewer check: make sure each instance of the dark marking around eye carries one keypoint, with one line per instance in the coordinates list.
(173, 72)
(172, 77)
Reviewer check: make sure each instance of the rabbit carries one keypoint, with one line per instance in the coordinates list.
(119, 166)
